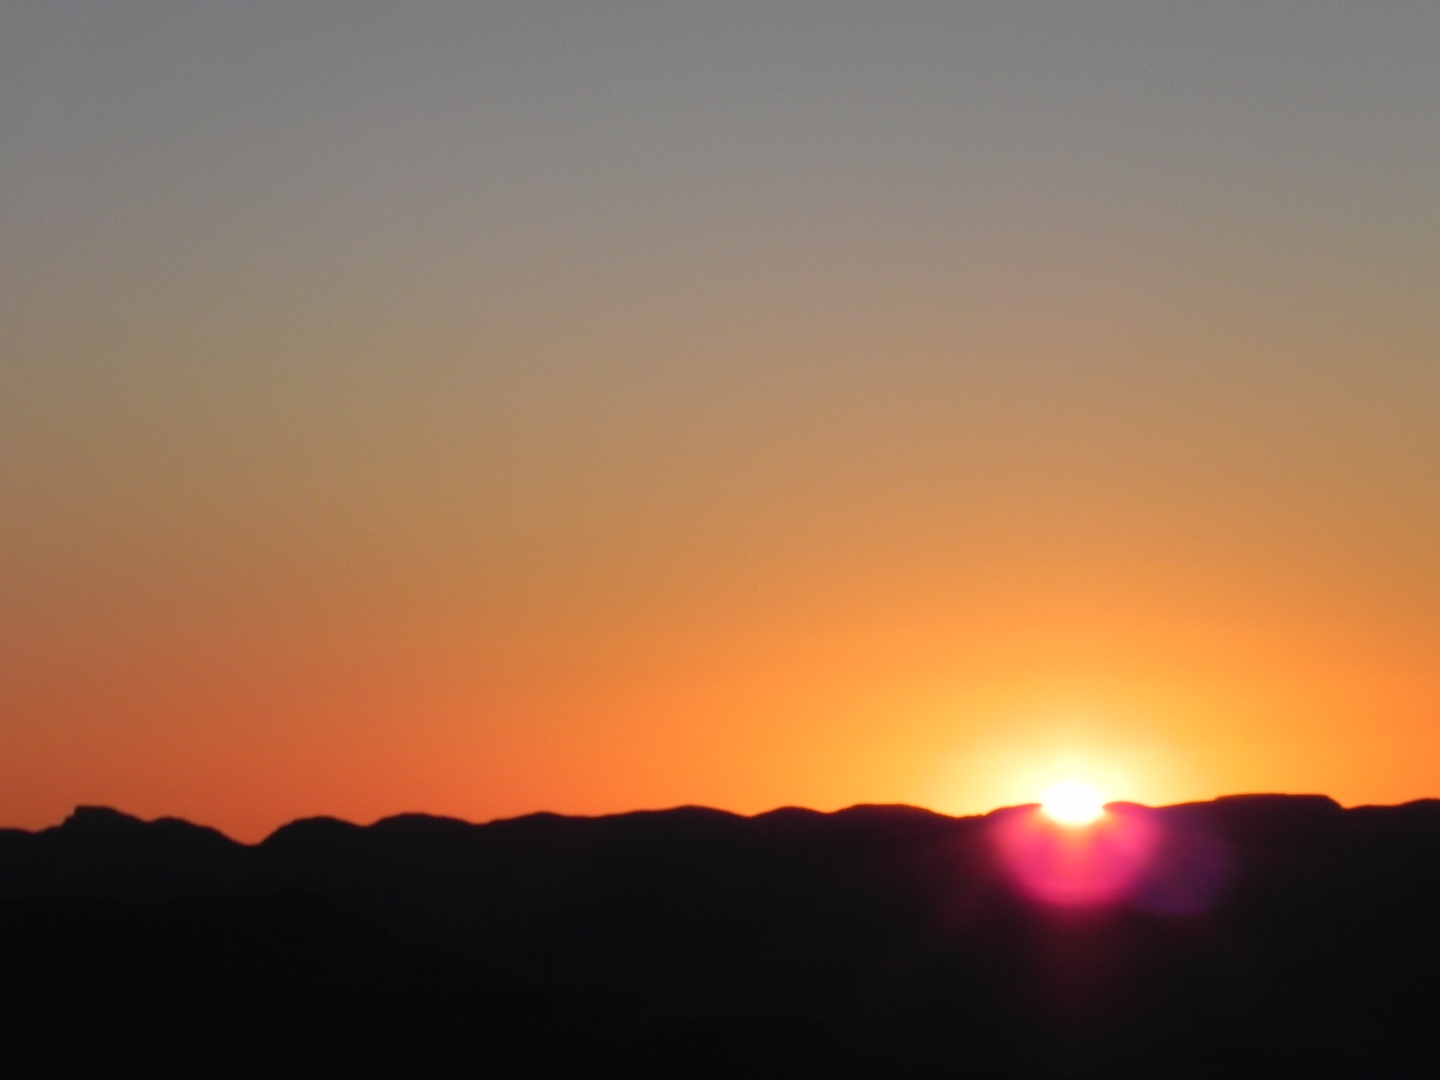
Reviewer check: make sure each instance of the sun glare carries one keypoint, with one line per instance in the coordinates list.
(1072, 803)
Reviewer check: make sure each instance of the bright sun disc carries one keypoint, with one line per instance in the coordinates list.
(1072, 803)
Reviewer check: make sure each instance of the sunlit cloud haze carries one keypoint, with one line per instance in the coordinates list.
(489, 407)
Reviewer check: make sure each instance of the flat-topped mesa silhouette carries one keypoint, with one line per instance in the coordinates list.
(1267, 935)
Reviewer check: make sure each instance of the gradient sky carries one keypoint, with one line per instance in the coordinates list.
(489, 407)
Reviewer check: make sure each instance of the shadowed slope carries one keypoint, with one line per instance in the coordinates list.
(1275, 935)
(282, 986)
(286, 986)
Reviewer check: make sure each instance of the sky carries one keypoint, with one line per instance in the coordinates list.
(512, 405)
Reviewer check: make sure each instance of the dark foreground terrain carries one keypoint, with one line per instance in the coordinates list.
(288, 986)
(1269, 936)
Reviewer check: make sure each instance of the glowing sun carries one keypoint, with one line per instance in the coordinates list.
(1072, 803)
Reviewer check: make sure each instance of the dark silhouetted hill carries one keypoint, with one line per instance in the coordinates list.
(287, 986)
(282, 986)
(1272, 936)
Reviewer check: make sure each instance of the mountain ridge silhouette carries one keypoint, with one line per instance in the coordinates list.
(1279, 935)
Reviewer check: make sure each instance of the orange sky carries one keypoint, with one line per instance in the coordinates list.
(481, 412)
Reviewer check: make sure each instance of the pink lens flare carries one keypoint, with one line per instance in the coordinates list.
(1102, 862)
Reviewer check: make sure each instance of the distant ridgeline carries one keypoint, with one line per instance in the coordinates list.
(1262, 936)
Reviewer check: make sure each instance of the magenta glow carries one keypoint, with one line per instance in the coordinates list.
(1067, 865)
